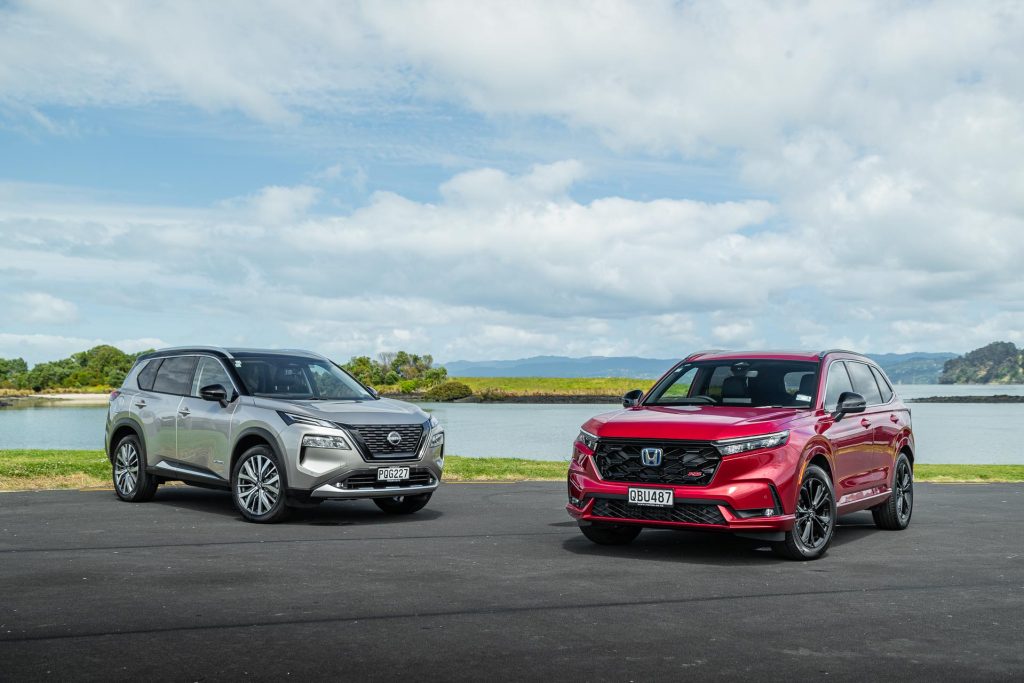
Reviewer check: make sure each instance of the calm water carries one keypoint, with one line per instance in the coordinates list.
(946, 433)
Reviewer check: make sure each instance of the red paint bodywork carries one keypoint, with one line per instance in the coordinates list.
(859, 451)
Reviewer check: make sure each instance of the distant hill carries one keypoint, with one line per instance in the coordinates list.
(912, 368)
(997, 363)
(563, 366)
(902, 368)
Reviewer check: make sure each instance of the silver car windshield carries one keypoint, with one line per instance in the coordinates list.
(297, 378)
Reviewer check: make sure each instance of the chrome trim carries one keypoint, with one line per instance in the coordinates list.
(331, 491)
(164, 465)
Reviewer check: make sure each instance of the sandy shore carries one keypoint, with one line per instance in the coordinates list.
(64, 399)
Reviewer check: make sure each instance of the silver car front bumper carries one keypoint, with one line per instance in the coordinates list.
(333, 492)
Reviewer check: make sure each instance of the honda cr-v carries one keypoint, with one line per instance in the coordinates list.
(279, 429)
(768, 445)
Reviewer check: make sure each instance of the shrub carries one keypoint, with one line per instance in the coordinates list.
(408, 386)
(449, 391)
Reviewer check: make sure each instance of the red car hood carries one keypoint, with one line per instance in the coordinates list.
(697, 423)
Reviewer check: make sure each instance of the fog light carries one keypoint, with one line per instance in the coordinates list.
(769, 512)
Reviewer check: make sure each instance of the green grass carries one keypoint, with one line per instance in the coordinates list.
(34, 469)
(555, 386)
(29, 469)
(458, 468)
(969, 473)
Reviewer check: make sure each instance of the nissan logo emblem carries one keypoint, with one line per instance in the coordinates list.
(394, 438)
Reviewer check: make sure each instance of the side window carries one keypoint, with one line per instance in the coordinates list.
(148, 374)
(883, 385)
(864, 383)
(838, 381)
(210, 371)
(174, 375)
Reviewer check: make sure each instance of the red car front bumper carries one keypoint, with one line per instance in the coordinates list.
(735, 500)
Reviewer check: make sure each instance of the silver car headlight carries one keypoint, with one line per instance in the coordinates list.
(751, 443)
(322, 441)
(436, 433)
(295, 418)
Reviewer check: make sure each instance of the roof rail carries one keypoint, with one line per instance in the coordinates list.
(177, 350)
(697, 354)
(824, 353)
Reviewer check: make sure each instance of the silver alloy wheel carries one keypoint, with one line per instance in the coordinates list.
(259, 485)
(814, 514)
(904, 491)
(126, 469)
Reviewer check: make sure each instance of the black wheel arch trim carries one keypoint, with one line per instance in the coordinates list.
(124, 422)
(272, 441)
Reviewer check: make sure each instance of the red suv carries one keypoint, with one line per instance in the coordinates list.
(770, 445)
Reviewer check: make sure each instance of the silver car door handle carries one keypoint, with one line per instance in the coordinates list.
(184, 412)
(140, 404)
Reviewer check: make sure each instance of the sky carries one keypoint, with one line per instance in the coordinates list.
(502, 180)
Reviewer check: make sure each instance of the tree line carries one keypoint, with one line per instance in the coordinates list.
(105, 366)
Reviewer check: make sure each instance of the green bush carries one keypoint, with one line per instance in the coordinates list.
(408, 386)
(449, 391)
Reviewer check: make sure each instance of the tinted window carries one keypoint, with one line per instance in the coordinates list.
(883, 385)
(208, 372)
(174, 375)
(864, 383)
(838, 382)
(148, 374)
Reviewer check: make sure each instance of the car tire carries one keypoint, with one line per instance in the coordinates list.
(894, 514)
(815, 522)
(402, 505)
(132, 483)
(258, 486)
(611, 534)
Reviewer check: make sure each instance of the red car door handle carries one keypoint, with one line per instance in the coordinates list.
(864, 422)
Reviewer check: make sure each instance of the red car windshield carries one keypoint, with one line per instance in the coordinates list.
(751, 383)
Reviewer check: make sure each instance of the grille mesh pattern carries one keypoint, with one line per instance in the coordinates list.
(368, 480)
(691, 513)
(376, 438)
(620, 461)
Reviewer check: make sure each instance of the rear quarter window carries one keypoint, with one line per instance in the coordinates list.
(883, 385)
(148, 374)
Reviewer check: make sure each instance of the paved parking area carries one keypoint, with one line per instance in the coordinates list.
(492, 581)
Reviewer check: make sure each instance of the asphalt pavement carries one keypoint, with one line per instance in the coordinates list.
(494, 582)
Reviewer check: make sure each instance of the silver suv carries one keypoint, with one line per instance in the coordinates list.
(279, 429)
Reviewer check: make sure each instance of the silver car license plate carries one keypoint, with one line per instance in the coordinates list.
(392, 473)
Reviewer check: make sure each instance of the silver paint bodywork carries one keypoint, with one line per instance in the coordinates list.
(195, 440)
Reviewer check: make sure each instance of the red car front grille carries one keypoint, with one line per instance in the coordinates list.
(683, 463)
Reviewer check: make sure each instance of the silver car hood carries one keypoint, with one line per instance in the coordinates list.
(381, 411)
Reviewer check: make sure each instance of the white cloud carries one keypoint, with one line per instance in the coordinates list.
(886, 139)
(43, 308)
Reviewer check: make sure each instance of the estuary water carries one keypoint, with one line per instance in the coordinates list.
(946, 432)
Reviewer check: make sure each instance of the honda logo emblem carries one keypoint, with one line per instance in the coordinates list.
(651, 457)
